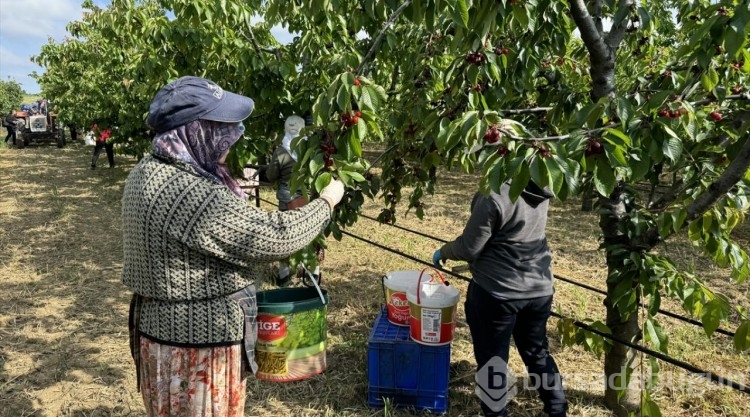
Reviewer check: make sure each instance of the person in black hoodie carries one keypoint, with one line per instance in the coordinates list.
(9, 123)
(505, 244)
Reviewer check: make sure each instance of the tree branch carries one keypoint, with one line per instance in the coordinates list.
(619, 29)
(602, 57)
(590, 35)
(728, 179)
(743, 96)
(258, 49)
(379, 38)
(526, 111)
(509, 134)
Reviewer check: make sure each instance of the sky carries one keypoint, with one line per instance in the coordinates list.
(26, 25)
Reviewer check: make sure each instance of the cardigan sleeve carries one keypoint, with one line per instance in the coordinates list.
(234, 231)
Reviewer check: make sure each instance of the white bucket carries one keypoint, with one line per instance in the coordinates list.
(396, 284)
(432, 310)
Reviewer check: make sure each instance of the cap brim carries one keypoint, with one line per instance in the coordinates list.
(234, 108)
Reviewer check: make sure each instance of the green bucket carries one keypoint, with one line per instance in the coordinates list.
(292, 333)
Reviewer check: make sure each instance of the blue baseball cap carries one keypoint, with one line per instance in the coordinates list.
(193, 98)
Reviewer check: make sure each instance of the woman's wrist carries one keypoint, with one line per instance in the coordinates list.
(329, 201)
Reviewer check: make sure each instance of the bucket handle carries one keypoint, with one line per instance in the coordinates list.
(382, 284)
(419, 282)
(315, 282)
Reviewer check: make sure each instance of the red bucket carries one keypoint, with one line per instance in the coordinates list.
(432, 310)
(395, 285)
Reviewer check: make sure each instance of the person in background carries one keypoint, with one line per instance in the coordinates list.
(511, 290)
(279, 170)
(9, 123)
(103, 141)
(193, 248)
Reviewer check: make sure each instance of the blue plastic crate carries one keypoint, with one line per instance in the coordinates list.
(409, 373)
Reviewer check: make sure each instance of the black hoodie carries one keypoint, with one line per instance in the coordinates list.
(505, 244)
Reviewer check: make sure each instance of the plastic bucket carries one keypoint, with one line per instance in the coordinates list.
(292, 333)
(432, 310)
(396, 284)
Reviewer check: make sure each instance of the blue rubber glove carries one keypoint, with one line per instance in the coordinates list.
(437, 259)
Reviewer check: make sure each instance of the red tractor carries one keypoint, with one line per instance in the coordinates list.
(39, 124)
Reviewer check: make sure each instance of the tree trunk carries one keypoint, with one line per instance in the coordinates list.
(587, 200)
(619, 358)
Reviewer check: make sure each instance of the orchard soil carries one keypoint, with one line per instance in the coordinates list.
(63, 315)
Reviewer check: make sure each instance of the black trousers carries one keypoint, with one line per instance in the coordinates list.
(109, 147)
(11, 134)
(492, 322)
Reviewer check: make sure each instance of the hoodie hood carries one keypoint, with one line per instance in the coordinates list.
(534, 195)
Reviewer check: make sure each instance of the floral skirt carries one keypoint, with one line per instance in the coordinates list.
(192, 382)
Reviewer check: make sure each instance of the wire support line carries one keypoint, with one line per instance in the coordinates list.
(572, 282)
(559, 277)
(666, 358)
(718, 379)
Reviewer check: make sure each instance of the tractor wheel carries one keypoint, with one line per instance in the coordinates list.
(22, 140)
(60, 137)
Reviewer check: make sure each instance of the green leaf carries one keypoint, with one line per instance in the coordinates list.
(538, 172)
(365, 100)
(672, 148)
(710, 79)
(461, 13)
(655, 334)
(648, 407)
(714, 312)
(355, 141)
(556, 174)
(322, 181)
(316, 163)
(626, 141)
(742, 336)
(356, 176)
(342, 98)
(604, 177)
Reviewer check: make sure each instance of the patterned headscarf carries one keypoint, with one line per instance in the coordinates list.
(200, 144)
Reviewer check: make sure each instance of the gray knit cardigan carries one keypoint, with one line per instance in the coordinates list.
(189, 243)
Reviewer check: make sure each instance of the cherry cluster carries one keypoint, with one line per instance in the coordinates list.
(502, 51)
(328, 151)
(672, 114)
(350, 119)
(476, 58)
(593, 147)
(492, 135)
(542, 150)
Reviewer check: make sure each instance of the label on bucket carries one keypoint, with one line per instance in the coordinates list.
(431, 325)
(398, 308)
(291, 346)
(270, 327)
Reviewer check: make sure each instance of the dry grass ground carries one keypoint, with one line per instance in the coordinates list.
(63, 315)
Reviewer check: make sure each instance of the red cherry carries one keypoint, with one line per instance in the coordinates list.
(358, 114)
(716, 116)
(492, 135)
(356, 81)
(329, 163)
(355, 120)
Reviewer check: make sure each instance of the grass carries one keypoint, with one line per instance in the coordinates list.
(63, 319)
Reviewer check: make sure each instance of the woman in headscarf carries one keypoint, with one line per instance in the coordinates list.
(193, 248)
